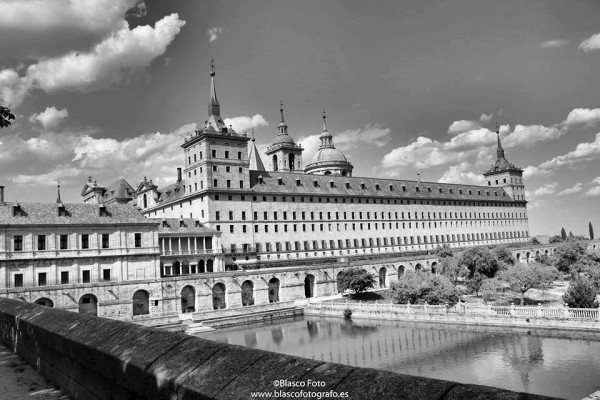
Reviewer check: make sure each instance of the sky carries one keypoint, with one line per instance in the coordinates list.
(109, 89)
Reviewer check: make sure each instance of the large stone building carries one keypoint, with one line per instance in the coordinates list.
(286, 213)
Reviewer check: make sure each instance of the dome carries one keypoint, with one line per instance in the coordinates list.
(328, 154)
(284, 139)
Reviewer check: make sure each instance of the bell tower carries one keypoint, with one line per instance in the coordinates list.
(284, 154)
(505, 174)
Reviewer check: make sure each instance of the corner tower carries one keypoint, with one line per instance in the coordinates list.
(505, 174)
(328, 160)
(284, 154)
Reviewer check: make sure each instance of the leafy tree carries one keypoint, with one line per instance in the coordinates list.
(521, 278)
(563, 234)
(568, 253)
(591, 228)
(444, 252)
(415, 287)
(588, 266)
(504, 256)
(571, 234)
(481, 264)
(544, 259)
(356, 279)
(556, 239)
(450, 267)
(5, 117)
(490, 289)
(535, 241)
(581, 293)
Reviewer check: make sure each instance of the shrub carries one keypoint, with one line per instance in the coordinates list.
(347, 313)
(523, 277)
(581, 293)
(422, 287)
(356, 279)
(490, 289)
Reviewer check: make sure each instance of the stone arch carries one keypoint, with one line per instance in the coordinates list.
(210, 265)
(275, 163)
(327, 173)
(382, 277)
(248, 293)
(291, 160)
(309, 286)
(518, 257)
(44, 301)
(273, 290)
(344, 173)
(141, 302)
(88, 304)
(218, 292)
(418, 267)
(527, 257)
(434, 267)
(401, 270)
(537, 254)
(546, 252)
(188, 299)
(338, 282)
(201, 267)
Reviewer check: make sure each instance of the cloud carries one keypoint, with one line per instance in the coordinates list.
(462, 126)
(595, 189)
(50, 117)
(572, 190)
(213, 33)
(421, 153)
(590, 44)
(372, 134)
(461, 174)
(528, 135)
(485, 118)
(553, 44)
(115, 60)
(584, 152)
(547, 189)
(532, 171)
(310, 144)
(241, 124)
(583, 116)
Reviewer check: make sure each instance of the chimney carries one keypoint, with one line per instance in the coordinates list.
(178, 174)
(1, 194)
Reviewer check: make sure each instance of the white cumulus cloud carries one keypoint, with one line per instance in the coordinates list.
(583, 116)
(213, 33)
(50, 117)
(590, 44)
(553, 44)
(372, 134)
(462, 126)
(241, 124)
(461, 173)
(572, 190)
(547, 189)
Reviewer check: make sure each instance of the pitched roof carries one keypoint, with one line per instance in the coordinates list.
(76, 214)
(119, 190)
(256, 163)
(304, 184)
(182, 225)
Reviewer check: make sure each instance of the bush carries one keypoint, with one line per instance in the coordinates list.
(347, 313)
(356, 279)
(581, 293)
(490, 289)
(422, 287)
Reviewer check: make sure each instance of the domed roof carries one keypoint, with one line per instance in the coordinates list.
(328, 154)
(284, 139)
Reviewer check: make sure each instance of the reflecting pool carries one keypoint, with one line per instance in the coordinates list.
(549, 362)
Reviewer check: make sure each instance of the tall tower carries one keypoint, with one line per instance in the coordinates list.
(328, 160)
(216, 156)
(505, 174)
(284, 154)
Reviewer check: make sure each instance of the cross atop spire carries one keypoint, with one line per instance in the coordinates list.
(324, 121)
(214, 108)
(58, 200)
(282, 125)
(212, 66)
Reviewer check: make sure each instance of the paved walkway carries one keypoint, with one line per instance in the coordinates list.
(19, 381)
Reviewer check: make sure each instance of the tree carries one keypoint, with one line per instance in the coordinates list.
(563, 234)
(581, 293)
(490, 289)
(535, 241)
(521, 278)
(415, 287)
(481, 264)
(356, 279)
(450, 267)
(556, 239)
(571, 235)
(444, 252)
(591, 228)
(568, 253)
(5, 117)
(504, 256)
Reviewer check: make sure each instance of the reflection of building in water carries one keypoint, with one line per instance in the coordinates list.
(525, 356)
(277, 335)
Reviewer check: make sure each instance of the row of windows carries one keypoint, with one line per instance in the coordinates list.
(329, 215)
(377, 242)
(215, 169)
(42, 278)
(63, 241)
(198, 156)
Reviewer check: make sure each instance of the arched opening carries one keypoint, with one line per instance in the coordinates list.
(145, 201)
(327, 173)
(339, 283)
(188, 299)
(141, 303)
(382, 276)
(527, 257)
(518, 257)
(344, 173)
(201, 267)
(418, 267)
(275, 164)
(537, 254)
(247, 293)
(218, 292)
(88, 304)
(292, 160)
(44, 301)
(273, 290)
(400, 271)
(309, 286)
(209, 265)
(434, 267)
(546, 252)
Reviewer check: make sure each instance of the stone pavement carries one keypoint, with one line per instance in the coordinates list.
(19, 381)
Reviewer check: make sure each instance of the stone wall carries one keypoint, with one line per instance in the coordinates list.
(95, 358)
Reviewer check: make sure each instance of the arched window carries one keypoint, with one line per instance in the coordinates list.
(275, 164)
(45, 302)
(382, 277)
(145, 201)
(188, 299)
(218, 292)
(292, 159)
(309, 286)
(88, 304)
(273, 290)
(247, 293)
(141, 303)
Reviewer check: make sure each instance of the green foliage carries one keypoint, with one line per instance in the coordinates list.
(535, 241)
(556, 239)
(544, 259)
(581, 293)
(347, 313)
(422, 287)
(591, 228)
(563, 234)
(523, 277)
(504, 256)
(569, 253)
(450, 267)
(490, 289)
(444, 252)
(356, 279)
(479, 261)
(5, 117)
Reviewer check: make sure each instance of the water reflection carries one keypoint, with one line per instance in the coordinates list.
(550, 362)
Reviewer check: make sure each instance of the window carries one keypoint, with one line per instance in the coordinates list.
(214, 183)
(240, 157)
(105, 240)
(42, 279)
(85, 241)
(41, 245)
(64, 277)
(86, 277)
(214, 153)
(18, 280)
(106, 275)
(226, 154)
(138, 240)
(18, 243)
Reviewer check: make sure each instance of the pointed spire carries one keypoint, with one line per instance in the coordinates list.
(282, 125)
(214, 108)
(254, 159)
(500, 151)
(58, 200)
(324, 121)
(281, 110)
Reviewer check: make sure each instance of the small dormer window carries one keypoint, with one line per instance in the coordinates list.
(102, 211)
(377, 186)
(197, 223)
(470, 191)
(417, 189)
(331, 184)
(260, 179)
(347, 185)
(404, 188)
(391, 188)
(181, 223)
(428, 190)
(280, 181)
(298, 182)
(363, 186)
(479, 192)
(61, 210)
(17, 210)
(459, 191)
(164, 223)
(315, 183)
(487, 193)
(440, 190)
(451, 191)
(496, 194)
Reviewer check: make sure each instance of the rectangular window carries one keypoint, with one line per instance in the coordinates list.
(214, 153)
(214, 183)
(226, 154)
(85, 241)
(64, 277)
(105, 240)
(41, 245)
(86, 277)
(106, 275)
(18, 243)
(42, 279)
(18, 280)
(230, 215)
(228, 183)
(138, 240)
(241, 184)
(240, 157)
(64, 242)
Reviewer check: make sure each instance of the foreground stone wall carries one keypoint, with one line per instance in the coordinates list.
(96, 358)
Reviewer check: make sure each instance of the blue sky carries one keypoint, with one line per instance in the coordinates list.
(108, 88)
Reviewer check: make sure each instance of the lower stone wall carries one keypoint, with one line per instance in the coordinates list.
(96, 358)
